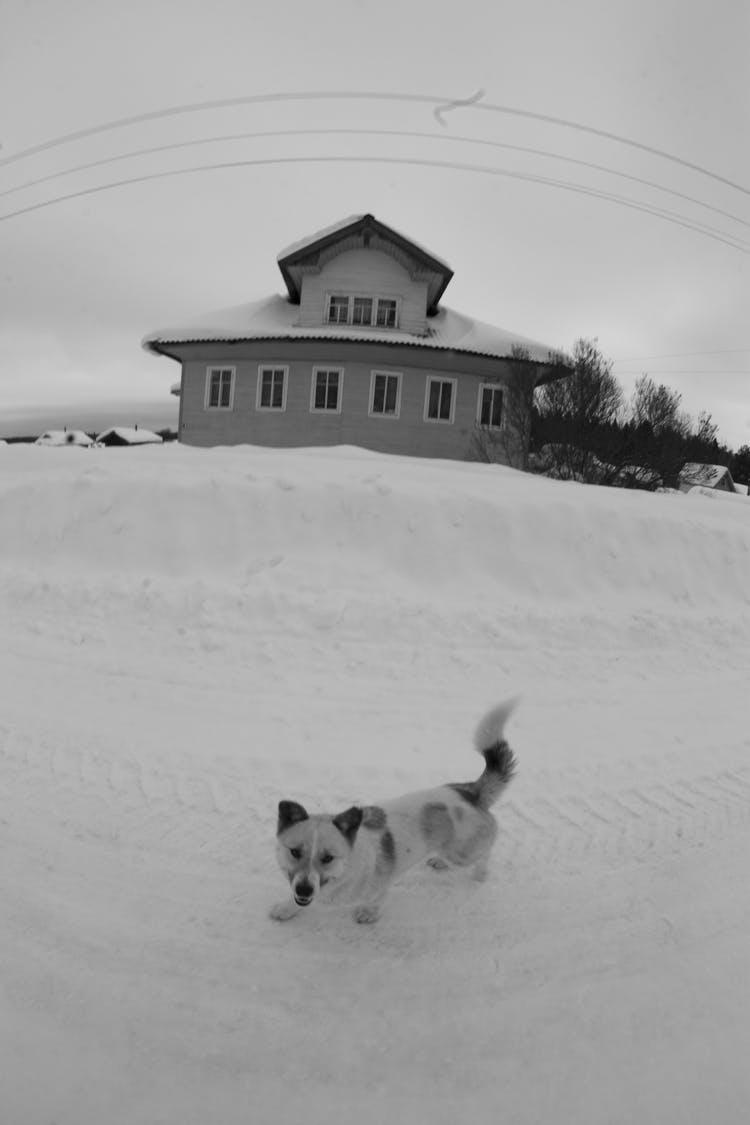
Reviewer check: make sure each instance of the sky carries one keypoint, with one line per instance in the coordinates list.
(593, 183)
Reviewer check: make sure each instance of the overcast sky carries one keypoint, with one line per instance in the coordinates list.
(538, 242)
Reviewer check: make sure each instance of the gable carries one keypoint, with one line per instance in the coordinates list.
(365, 273)
(363, 232)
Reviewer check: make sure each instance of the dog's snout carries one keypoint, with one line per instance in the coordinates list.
(303, 892)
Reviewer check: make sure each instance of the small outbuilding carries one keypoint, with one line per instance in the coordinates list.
(127, 435)
(64, 437)
(695, 475)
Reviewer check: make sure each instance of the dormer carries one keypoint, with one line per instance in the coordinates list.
(361, 275)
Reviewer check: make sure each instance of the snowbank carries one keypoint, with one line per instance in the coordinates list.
(372, 529)
(190, 636)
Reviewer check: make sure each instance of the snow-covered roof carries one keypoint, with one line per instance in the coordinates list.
(128, 435)
(304, 244)
(706, 475)
(742, 489)
(64, 437)
(276, 318)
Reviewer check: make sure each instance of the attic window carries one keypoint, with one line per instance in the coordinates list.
(378, 312)
(338, 310)
(386, 317)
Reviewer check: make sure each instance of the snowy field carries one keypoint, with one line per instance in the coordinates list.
(190, 635)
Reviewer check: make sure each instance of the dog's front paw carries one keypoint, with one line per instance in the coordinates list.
(366, 913)
(283, 911)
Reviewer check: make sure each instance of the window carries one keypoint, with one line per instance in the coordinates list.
(326, 389)
(271, 388)
(385, 394)
(380, 312)
(490, 410)
(386, 317)
(362, 310)
(439, 400)
(219, 388)
(338, 310)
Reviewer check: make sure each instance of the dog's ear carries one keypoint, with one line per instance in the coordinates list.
(348, 822)
(289, 813)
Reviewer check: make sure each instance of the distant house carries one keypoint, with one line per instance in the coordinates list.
(64, 437)
(126, 435)
(360, 351)
(694, 475)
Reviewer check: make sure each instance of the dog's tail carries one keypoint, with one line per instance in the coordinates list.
(499, 759)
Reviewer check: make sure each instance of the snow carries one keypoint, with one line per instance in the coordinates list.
(276, 318)
(191, 635)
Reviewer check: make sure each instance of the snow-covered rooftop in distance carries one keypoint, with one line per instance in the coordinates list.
(129, 435)
(64, 437)
(276, 318)
(707, 475)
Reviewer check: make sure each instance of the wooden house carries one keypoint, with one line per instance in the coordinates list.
(359, 351)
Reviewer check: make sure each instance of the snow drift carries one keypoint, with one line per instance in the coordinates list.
(191, 635)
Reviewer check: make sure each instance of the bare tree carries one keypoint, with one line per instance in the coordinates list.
(579, 419)
(508, 442)
(665, 437)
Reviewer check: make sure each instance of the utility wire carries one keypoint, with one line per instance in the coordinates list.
(667, 216)
(710, 371)
(681, 355)
(468, 106)
(403, 134)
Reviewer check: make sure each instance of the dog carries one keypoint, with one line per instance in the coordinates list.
(354, 856)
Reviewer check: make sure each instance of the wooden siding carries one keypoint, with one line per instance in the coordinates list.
(365, 273)
(297, 425)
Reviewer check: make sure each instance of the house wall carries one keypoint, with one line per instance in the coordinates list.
(298, 426)
(365, 273)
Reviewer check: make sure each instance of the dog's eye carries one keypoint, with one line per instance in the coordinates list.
(327, 858)
(295, 853)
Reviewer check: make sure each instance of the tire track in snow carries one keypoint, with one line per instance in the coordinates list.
(217, 815)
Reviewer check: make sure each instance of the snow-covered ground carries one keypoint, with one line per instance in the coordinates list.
(190, 635)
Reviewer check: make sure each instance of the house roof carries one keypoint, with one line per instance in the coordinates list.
(276, 318)
(706, 475)
(128, 435)
(356, 231)
(64, 437)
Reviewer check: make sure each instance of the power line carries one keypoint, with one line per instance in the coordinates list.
(404, 134)
(667, 216)
(710, 371)
(355, 95)
(681, 355)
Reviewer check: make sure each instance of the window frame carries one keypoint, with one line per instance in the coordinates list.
(454, 395)
(375, 299)
(491, 387)
(330, 298)
(259, 387)
(211, 370)
(329, 369)
(371, 412)
(389, 301)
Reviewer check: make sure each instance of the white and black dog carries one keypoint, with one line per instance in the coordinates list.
(354, 856)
